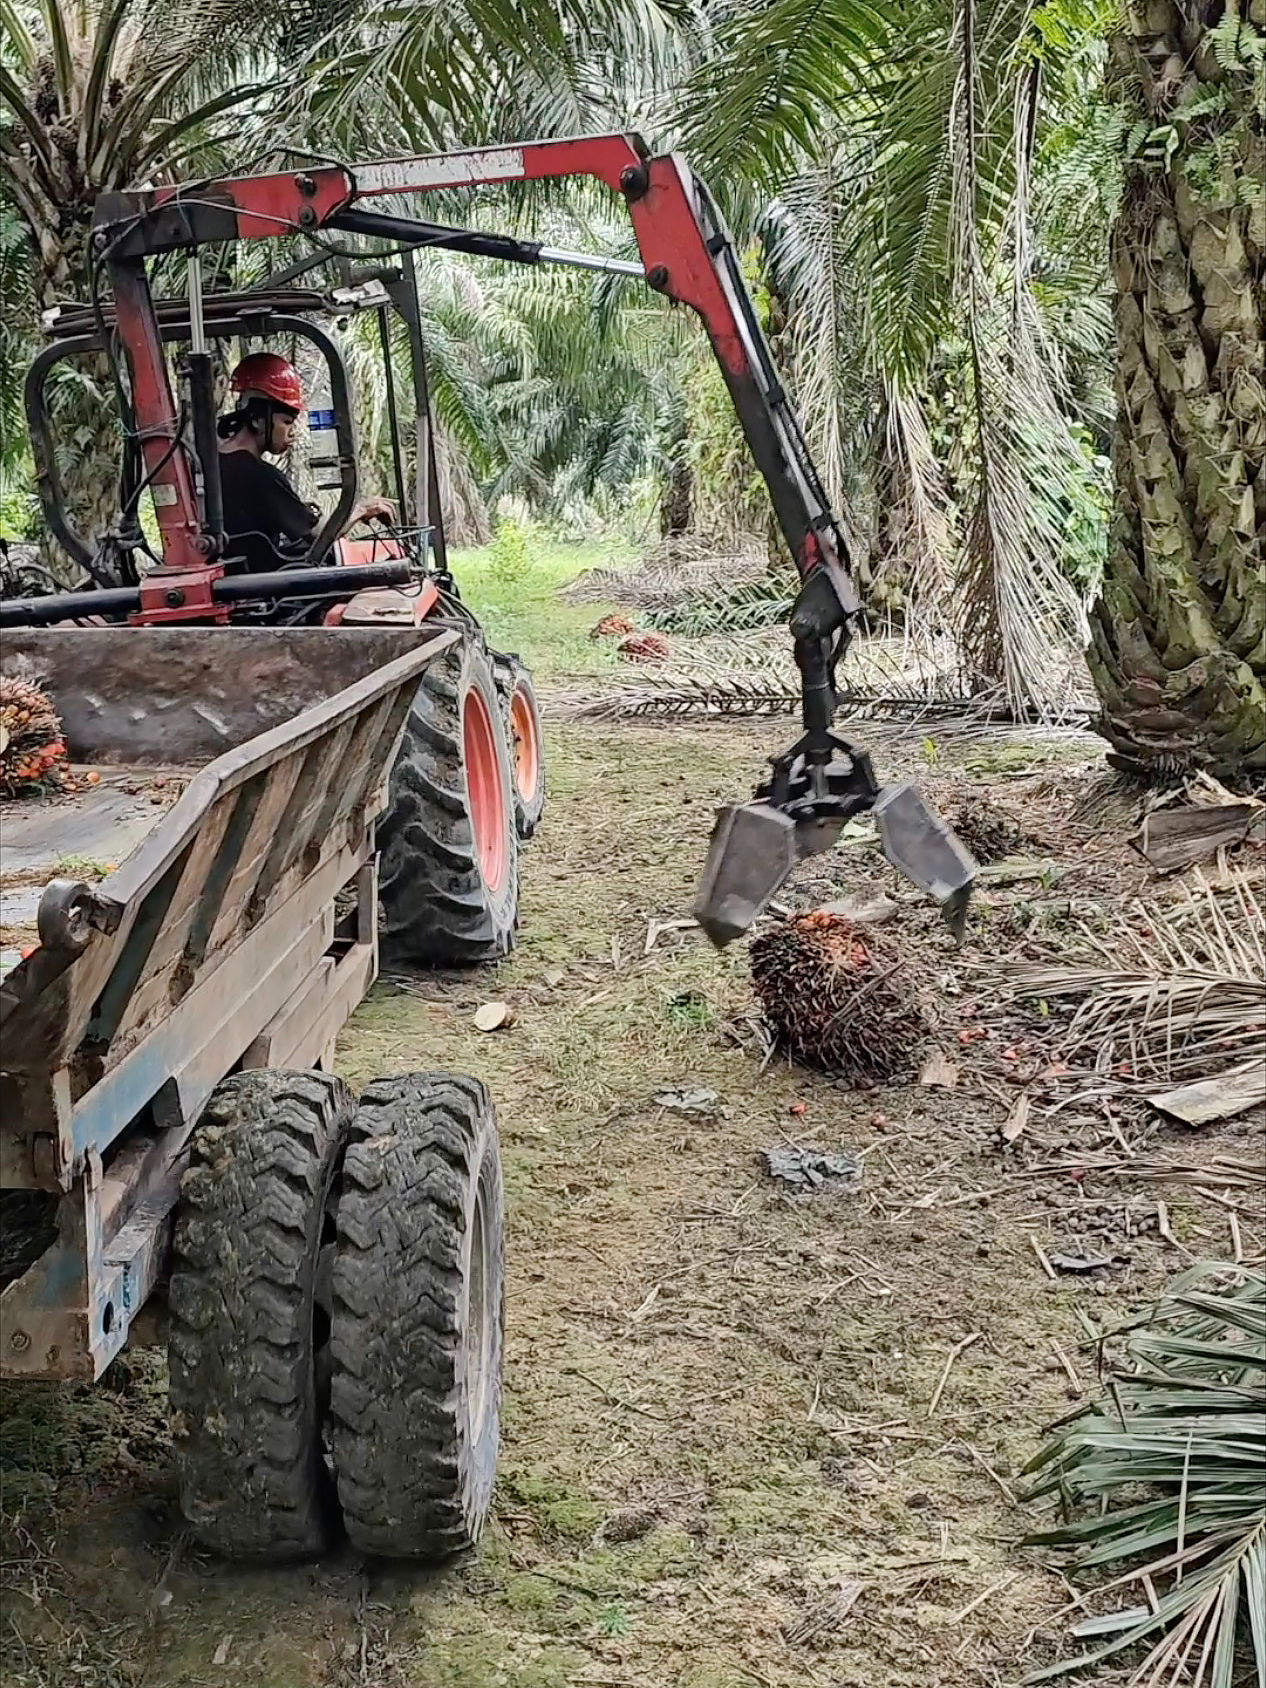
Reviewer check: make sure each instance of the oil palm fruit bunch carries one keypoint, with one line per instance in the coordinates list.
(836, 996)
(32, 750)
(990, 835)
(645, 647)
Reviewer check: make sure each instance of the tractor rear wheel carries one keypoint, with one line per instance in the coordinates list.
(448, 872)
(523, 729)
(418, 1315)
(247, 1348)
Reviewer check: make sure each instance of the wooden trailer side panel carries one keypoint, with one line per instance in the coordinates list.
(256, 838)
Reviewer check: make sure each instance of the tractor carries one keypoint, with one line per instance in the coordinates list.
(356, 766)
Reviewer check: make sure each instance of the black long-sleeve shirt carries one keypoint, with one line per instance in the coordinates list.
(261, 511)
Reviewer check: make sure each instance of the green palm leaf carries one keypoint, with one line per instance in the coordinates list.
(1168, 1470)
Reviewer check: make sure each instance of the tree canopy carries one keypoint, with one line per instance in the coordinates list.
(923, 193)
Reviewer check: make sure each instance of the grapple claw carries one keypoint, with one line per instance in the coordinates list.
(925, 848)
(750, 857)
(755, 846)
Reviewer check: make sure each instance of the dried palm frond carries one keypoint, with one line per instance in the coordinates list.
(909, 564)
(665, 695)
(1022, 622)
(740, 561)
(1165, 1471)
(1181, 990)
(666, 579)
(618, 585)
(739, 608)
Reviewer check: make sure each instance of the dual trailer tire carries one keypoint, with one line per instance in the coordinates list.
(468, 784)
(337, 1316)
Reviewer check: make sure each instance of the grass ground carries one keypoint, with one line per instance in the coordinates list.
(514, 584)
(748, 1442)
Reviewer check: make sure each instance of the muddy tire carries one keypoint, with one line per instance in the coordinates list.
(523, 730)
(246, 1334)
(418, 1314)
(448, 875)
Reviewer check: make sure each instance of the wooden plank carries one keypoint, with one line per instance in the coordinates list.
(294, 834)
(254, 805)
(362, 762)
(185, 1093)
(298, 1011)
(134, 962)
(247, 976)
(215, 858)
(201, 863)
(352, 978)
(305, 1029)
(283, 781)
(133, 1176)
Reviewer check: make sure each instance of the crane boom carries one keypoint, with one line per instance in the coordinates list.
(687, 256)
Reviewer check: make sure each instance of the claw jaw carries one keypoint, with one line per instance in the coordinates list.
(927, 850)
(755, 846)
(750, 857)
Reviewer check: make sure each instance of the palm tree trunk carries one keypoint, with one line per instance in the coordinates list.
(1178, 648)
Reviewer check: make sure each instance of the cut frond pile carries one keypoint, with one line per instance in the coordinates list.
(1164, 1478)
(671, 575)
(1180, 992)
(988, 833)
(754, 673)
(740, 608)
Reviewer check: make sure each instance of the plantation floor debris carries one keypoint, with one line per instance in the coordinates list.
(717, 1410)
(805, 1169)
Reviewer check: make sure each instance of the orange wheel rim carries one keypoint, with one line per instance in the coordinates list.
(486, 790)
(527, 752)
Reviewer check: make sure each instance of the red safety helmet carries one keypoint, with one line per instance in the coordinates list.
(265, 375)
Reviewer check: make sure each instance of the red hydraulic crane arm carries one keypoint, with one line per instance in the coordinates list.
(684, 248)
(686, 255)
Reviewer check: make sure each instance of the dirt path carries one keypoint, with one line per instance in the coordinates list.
(748, 1442)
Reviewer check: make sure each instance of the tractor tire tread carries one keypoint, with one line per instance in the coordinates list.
(245, 1417)
(411, 1480)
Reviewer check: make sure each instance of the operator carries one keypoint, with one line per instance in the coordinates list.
(266, 521)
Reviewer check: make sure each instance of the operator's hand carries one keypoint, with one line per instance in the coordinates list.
(375, 510)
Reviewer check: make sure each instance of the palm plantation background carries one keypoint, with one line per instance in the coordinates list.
(1012, 257)
(939, 205)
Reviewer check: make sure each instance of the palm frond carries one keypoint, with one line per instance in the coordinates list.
(742, 608)
(444, 75)
(778, 76)
(1182, 990)
(1165, 1473)
(754, 673)
(1021, 621)
(910, 562)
